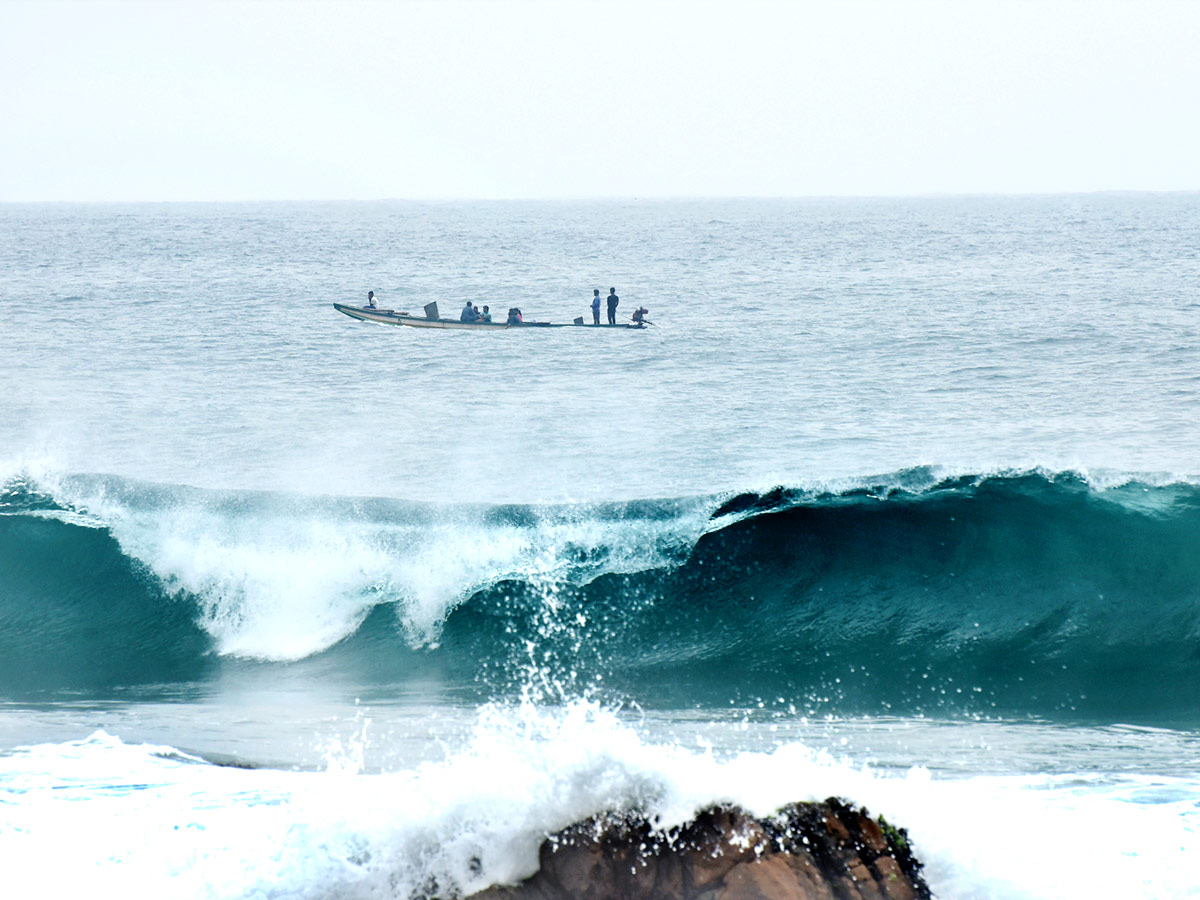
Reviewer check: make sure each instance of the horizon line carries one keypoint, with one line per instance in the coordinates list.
(625, 198)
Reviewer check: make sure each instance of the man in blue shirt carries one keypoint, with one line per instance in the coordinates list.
(469, 314)
(596, 306)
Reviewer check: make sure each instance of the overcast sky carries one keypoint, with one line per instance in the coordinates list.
(250, 99)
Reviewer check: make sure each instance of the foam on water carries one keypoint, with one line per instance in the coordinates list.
(156, 822)
(282, 577)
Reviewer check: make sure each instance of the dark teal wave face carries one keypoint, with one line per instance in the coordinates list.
(1011, 595)
(1021, 595)
(78, 615)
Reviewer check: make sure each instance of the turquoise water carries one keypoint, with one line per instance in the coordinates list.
(897, 499)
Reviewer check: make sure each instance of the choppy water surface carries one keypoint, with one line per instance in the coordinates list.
(896, 500)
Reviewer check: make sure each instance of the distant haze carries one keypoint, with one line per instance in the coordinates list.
(181, 100)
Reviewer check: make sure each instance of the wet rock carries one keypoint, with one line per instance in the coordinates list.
(806, 851)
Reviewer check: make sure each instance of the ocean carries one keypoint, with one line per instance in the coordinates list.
(896, 500)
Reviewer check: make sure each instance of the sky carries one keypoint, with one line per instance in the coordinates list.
(372, 99)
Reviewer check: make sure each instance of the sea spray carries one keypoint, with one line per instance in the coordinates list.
(179, 826)
(281, 577)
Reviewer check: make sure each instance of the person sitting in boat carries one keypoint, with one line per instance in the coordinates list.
(486, 315)
(469, 313)
(514, 316)
(639, 316)
(371, 300)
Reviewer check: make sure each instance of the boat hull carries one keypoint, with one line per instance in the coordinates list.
(391, 317)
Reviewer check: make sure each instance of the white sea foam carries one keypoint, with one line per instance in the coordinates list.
(281, 577)
(100, 816)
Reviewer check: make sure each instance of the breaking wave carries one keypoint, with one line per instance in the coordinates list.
(1015, 593)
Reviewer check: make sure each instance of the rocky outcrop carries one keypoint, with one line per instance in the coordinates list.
(807, 851)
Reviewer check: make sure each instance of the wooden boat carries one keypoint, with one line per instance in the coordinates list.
(432, 320)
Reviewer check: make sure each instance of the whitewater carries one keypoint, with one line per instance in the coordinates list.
(897, 500)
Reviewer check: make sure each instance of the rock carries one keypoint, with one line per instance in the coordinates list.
(806, 851)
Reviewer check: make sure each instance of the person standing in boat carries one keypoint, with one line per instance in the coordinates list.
(371, 300)
(596, 306)
(469, 313)
(613, 300)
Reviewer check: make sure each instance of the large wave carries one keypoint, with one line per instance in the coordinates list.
(1018, 593)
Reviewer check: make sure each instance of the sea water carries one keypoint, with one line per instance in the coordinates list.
(896, 500)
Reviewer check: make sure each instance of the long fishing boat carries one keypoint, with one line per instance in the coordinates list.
(431, 319)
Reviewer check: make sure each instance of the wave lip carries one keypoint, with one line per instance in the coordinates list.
(275, 577)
